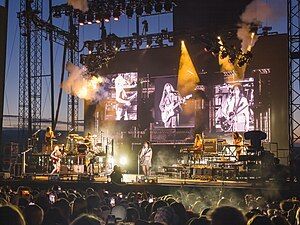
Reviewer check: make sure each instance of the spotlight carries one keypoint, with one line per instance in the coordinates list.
(123, 161)
(224, 53)
(148, 8)
(158, 6)
(81, 19)
(129, 11)
(244, 58)
(107, 16)
(168, 5)
(89, 18)
(139, 10)
(116, 14)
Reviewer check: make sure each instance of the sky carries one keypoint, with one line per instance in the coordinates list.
(124, 27)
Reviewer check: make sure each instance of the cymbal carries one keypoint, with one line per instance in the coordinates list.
(73, 135)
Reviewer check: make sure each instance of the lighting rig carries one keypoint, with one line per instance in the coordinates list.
(101, 51)
(108, 9)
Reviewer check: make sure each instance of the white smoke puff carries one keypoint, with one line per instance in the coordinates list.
(79, 4)
(77, 84)
(259, 11)
(244, 35)
(256, 13)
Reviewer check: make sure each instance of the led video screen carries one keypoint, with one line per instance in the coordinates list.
(233, 106)
(121, 102)
(170, 106)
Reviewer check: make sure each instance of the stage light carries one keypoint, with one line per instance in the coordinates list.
(129, 11)
(244, 58)
(139, 10)
(148, 8)
(224, 54)
(107, 16)
(158, 6)
(116, 14)
(123, 161)
(81, 19)
(89, 18)
(168, 5)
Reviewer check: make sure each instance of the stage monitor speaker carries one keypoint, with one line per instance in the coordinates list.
(210, 145)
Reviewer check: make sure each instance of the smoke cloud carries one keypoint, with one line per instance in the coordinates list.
(256, 13)
(83, 86)
(79, 4)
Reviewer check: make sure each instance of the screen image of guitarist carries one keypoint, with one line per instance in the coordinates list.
(170, 106)
(235, 112)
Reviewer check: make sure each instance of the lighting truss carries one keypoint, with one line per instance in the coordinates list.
(294, 72)
(107, 9)
(101, 51)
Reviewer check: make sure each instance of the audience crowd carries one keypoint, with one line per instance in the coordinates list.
(90, 207)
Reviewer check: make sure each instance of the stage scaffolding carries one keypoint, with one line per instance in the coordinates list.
(294, 74)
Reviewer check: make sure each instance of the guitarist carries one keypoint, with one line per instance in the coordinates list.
(237, 110)
(56, 156)
(168, 99)
(123, 100)
(145, 158)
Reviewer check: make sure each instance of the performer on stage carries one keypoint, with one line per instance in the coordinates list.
(123, 100)
(169, 107)
(49, 136)
(238, 141)
(198, 143)
(145, 158)
(56, 156)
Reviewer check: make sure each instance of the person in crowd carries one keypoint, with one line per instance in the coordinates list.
(34, 215)
(227, 215)
(11, 215)
(116, 175)
(86, 219)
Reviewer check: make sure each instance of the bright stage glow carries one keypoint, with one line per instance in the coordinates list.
(123, 160)
(187, 74)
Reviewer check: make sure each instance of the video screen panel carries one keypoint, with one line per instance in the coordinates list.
(121, 102)
(170, 106)
(233, 106)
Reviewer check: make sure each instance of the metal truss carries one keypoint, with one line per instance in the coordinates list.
(73, 57)
(294, 72)
(30, 68)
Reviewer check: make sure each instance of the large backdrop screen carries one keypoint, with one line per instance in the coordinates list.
(121, 103)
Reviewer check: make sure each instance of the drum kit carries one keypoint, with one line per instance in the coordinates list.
(88, 150)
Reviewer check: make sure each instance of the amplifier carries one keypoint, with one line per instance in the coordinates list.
(210, 145)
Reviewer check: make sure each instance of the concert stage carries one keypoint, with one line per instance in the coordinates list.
(160, 185)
